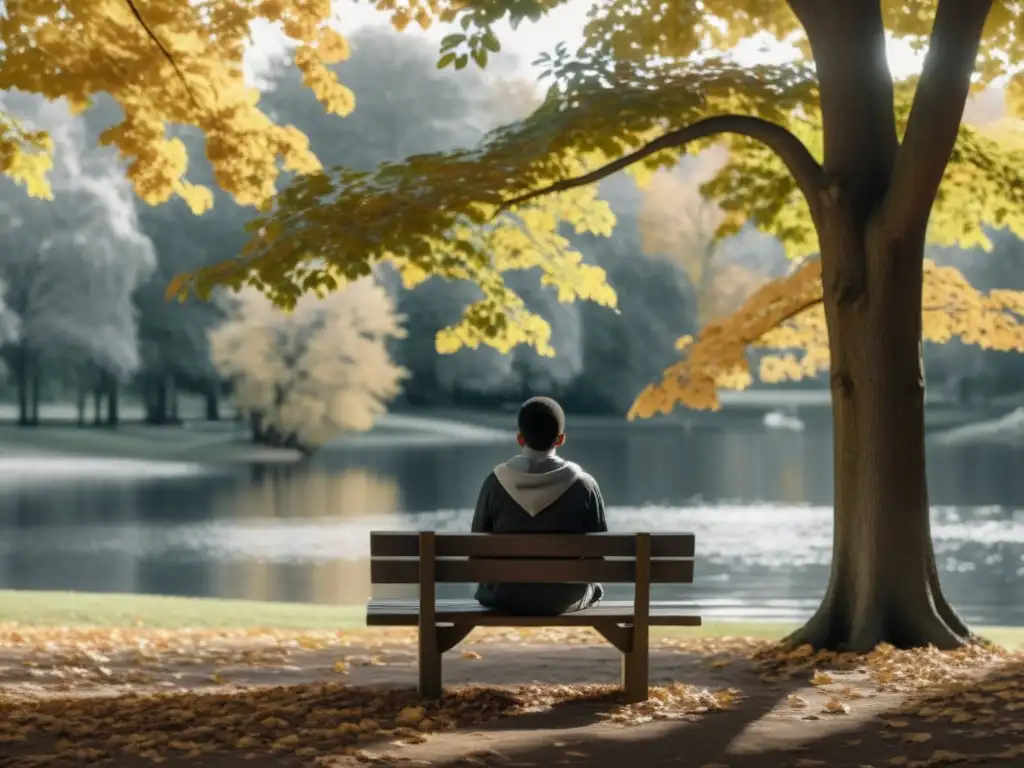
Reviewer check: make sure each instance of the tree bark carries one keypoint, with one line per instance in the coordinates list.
(213, 401)
(21, 365)
(156, 400)
(36, 386)
(884, 585)
(97, 402)
(113, 391)
(256, 425)
(172, 399)
(80, 398)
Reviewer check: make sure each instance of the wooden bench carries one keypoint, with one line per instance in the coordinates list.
(428, 559)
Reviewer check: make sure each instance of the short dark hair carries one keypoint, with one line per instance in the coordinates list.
(541, 420)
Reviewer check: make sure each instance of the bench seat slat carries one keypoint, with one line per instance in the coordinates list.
(467, 571)
(404, 613)
(406, 544)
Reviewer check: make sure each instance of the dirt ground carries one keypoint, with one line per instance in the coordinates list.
(513, 698)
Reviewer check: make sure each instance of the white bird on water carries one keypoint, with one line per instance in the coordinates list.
(782, 420)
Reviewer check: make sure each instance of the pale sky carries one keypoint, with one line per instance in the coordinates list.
(564, 24)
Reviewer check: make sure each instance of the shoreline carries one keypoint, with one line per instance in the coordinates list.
(141, 442)
(226, 442)
(36, 608)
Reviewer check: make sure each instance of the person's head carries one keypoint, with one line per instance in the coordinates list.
(541, 424)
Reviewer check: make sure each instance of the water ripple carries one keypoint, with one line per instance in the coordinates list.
(741, 536)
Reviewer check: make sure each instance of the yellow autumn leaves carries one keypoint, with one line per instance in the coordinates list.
(25, 156)
(77, 49)
(242, 715)
(787, 315)
(976, 687)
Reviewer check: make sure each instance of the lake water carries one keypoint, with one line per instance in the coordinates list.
(758, 501)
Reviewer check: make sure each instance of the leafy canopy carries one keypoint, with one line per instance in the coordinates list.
(640, 71)
(166, 62)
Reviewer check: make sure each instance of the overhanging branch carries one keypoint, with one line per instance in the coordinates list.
(806, 171)
(788, 297)
(163, 50)
(936, 112)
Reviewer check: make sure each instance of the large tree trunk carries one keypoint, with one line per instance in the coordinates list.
(871, 216)
(884, 585)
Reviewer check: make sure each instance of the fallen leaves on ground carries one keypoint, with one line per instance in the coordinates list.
(971, 696)
(987, 707)
(675, 702)
(76, 658)
(302, 720)
(835, 707)
(821, 678)
(890, 669)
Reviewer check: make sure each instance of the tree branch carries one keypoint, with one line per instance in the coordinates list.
(779, 312)
(167, 54)
(805, 169)
(936, 112)
(860, 140)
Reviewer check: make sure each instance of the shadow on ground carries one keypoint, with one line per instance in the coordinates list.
(978, 723)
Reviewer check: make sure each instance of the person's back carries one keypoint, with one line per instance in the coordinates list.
(539, 492)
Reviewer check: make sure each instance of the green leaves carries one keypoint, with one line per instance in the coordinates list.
(983, 186)
(458, 48)
(451, 41)
(490, 41)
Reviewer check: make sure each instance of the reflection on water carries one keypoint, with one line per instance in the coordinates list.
(19, 470)
(317, 548)
(758, 503)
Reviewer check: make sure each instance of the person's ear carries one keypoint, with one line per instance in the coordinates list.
(559, 441)
(520, 439)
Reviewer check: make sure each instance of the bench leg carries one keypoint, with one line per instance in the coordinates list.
(429, 665)
(635, 674)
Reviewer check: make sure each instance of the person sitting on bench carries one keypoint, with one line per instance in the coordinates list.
(539, 492)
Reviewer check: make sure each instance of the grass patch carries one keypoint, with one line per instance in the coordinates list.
(1008, 637)
(47, 609)
(117, 610)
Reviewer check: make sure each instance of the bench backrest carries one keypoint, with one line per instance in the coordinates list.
(460, 558)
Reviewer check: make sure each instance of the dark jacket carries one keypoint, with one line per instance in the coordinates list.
(539, 493)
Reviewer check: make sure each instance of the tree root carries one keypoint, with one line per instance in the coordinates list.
(935, 623)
